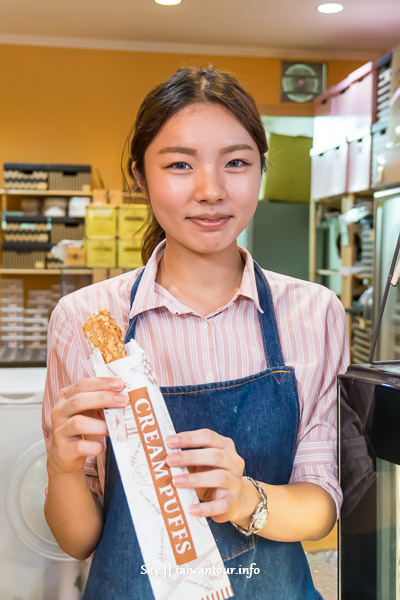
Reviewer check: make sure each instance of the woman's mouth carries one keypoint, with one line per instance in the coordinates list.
(210, 221)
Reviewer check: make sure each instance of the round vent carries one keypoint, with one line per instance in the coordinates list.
(301, 82)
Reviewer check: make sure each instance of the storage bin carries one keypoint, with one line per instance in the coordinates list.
(100, 221)
(323, 134)
(359, 162)
(379, 140)
(129, 254)
(329, 172)
(55, 207)
(24, 255)
(101, 253)
(25, 176)
(130, 220)
(66, 228)
(70, 177)
(25, 229)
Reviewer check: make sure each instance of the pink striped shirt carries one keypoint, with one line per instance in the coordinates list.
(186, 348)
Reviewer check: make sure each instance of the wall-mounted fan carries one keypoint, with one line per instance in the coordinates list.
(24, 505)
(302, 81)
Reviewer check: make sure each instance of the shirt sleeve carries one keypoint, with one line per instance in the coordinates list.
(64, 367)
(316, 455)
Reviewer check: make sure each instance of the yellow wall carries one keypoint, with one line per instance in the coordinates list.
(65, 105)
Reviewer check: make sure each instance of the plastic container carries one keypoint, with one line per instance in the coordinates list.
(129, 254)
(101, 253)
(130, 220)
(101, 221)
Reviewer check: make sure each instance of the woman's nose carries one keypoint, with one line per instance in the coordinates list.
(209, 186)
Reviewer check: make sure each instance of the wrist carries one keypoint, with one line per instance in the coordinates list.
(249, 498)
(253, 514)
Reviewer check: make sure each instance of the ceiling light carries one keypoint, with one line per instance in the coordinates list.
(168, 2)
(329, 8)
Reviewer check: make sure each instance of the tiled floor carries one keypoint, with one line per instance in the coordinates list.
(323, 565)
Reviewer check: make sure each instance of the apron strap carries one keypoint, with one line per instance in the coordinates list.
(132, 322)
(267, 320)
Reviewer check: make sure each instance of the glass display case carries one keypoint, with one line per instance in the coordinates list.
(369, 459)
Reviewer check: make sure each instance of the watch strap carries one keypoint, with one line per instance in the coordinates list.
(261, 506)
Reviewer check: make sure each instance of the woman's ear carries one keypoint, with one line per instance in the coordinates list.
(139, 180)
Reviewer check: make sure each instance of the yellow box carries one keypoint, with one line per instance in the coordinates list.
(101, 253)
(100, 221)
(129, 254)
(130, 220)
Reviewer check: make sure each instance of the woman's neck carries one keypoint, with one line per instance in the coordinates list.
(203, 282)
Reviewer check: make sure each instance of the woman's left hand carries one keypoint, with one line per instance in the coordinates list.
(215, 471)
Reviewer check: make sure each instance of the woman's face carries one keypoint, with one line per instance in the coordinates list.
(203, 178)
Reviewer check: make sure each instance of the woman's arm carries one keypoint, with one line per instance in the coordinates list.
(297, 511)
(77, 430)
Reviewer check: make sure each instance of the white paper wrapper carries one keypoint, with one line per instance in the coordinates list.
(179, 551)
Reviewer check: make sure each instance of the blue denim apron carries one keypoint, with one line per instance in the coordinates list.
(261, 414)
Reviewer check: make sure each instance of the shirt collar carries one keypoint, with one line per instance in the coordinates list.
(150, 295)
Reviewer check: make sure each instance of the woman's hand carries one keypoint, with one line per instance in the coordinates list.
(216, 472)
(77, 422)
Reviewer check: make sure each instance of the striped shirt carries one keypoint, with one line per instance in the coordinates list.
(186, 348)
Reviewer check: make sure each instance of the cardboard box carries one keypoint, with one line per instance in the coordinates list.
(75, 257)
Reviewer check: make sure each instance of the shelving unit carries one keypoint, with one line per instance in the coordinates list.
(350, 282)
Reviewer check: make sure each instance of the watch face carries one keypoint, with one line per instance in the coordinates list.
(261, 520)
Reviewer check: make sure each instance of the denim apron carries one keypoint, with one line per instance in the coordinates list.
(261, 414)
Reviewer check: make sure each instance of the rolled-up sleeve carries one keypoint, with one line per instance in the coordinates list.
(316, 455)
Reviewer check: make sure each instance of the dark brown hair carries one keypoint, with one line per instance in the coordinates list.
(188, 86)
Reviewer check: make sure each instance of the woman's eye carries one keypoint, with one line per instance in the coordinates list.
(179, 166)
(237, 162)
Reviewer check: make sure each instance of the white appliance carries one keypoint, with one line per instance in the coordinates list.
(32, 566)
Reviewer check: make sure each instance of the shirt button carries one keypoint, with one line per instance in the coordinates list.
(210, 377)
(204, 324)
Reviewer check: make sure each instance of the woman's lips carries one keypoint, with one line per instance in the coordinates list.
(210, 222)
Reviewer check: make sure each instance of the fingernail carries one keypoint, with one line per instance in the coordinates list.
(173, 459)
(178, 479)
(122, 399)
(117, 384)
(172, 440)
(194, 510)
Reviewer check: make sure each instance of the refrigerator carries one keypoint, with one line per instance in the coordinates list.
(369, 436)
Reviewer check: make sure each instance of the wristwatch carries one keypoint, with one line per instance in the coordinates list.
(259, 517)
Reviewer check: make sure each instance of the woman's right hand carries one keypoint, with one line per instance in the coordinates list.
(78, 427)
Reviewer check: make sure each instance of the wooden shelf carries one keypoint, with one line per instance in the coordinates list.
(38, 193)
(64, 271)
(326, 272)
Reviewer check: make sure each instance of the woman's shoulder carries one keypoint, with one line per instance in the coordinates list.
(287, 287)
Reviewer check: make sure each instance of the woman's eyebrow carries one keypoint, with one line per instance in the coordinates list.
(235, 147)
(177, 149)
(193, 152)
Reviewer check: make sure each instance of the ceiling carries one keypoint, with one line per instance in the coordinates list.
(286, 28)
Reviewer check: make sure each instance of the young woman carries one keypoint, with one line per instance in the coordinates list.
(246, 359)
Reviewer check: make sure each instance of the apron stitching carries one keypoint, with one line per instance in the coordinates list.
(228, 387)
